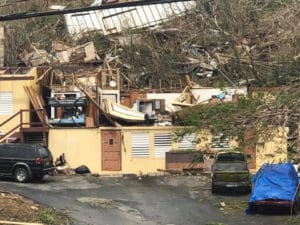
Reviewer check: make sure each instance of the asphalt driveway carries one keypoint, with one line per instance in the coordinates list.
(163, 200)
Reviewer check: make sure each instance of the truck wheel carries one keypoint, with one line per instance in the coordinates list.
(21, 175)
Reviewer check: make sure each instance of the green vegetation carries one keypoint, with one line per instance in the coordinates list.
(294, 220)
(51, 217)
(231, 118)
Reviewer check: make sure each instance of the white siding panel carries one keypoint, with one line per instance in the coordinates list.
(162, 144)
(110, 21)
(6, 103)
(140, 145)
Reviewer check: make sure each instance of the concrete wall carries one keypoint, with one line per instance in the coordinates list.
(83, 147)
(142, 165)
(80, 146)
(273, 149)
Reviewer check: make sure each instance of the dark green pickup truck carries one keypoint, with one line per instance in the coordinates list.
(230, 171)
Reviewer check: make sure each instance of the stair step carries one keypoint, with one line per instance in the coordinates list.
(34, 129)
(34, 138)
(15, 137)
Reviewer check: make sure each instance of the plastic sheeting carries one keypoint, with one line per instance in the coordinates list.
(276, 182)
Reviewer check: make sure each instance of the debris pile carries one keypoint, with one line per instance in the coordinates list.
(205, 43)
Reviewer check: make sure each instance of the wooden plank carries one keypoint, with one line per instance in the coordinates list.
(36, 103)
(89, 121)
(114, 123)
(43, 75)
(19, 223)
(41, 101)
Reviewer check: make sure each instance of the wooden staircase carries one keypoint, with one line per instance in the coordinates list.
(25, 132)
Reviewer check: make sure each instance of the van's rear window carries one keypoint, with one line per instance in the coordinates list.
(230, 157)
(43, 152)
(231, 166)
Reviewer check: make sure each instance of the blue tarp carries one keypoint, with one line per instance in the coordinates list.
(72, 120)
(275, 181)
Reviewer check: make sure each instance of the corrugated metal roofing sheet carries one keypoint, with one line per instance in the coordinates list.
(115, 20)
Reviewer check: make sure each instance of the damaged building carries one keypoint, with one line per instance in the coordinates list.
(90, 119)
(84, 108)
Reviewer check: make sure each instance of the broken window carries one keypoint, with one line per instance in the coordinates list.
(220, 141)
(188, 142)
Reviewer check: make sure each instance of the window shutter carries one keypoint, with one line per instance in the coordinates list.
(6, 103)
(162, 144)
(140, 145)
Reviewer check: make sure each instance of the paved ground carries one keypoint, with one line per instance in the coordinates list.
(165, 200)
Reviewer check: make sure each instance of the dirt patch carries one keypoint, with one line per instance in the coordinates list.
(100, 202)
(14, 207)
(109, 203)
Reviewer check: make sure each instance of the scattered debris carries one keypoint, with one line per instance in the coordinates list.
(232, 206)
(62, 166)
(82, 170)
(36, 57)
(82, 53)
(123, 113)
(57, 7)
(34, 207)
(62, 53)
(65, 169)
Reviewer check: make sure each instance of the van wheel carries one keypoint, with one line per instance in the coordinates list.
(21, 175)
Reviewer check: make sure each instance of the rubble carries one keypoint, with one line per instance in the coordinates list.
(35, 57)
(81, 53)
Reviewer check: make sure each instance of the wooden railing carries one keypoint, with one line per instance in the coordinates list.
(22, 125)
